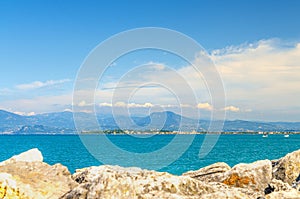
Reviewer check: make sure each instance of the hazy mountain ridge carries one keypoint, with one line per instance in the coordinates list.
(63, 123)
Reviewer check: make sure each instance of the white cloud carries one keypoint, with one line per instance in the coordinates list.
(120, 104)
(82, 103)
(258, 77)
(232, 109)
(31, 113)
(262, 77)
(205, 106)
(5, 91)
(156, 65)
(130, 105)
(185, 106)
(145, 105)
(157, 82)
(24, 113)
(41, 104)
(105, 104)
(167, 106)
(259, 71)
(39, 84)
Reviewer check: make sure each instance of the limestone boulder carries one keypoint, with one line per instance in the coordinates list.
(32, 155)
(291, 194)
(255, 176)
(231, 192)
(9, 188)
(211, 173)
(227, 194)
(117, 182)
(251, 178)
(33, 179)
(25, 176)
(287, 169)
(278, 185)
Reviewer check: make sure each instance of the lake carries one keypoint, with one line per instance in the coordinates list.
(71, 152)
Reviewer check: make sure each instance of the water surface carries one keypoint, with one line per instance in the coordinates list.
(232, 149)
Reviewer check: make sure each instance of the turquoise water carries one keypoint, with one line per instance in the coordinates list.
(232, 149)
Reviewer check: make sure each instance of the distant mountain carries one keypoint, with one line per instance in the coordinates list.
(166, 121)
(44, 123)
(241, 125)
(63, 123)
(10, 121)
(41, 129)
(60, 119)
(288, 126)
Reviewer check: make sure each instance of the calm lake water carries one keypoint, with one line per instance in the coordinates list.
(232, 149)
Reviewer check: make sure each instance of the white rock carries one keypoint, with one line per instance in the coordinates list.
(134, 183)
(287, 168)
(32, 155)
(211, 173)
(25, 177)
(291, 194)
(255, 176)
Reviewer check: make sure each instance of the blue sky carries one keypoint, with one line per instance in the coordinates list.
(43, 44)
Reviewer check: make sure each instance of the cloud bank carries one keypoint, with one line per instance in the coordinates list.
(261, 80)
(39, 84)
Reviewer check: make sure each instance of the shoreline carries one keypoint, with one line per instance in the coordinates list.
(165, 133)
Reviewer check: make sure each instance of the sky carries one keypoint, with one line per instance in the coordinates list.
(255, 46)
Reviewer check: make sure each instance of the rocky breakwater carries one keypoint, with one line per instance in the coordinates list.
(27, 176)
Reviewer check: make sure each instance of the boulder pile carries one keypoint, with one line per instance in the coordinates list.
(26, 176)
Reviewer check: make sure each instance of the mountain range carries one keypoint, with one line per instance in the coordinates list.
(63, 123)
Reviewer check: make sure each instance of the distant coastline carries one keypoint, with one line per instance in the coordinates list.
(157, 133)
(63, 123)
(119, 132)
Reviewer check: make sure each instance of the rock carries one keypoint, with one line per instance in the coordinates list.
(25, 176)
(33, 179)
(118, 182)
(292, 194)
(296, 183)
(280, 186)
(227, 194)
(211, 173)
(287, 169)
(231, 192)
(252, 178)
(9, 187)
(32, 155)
(269, 189)
(255, 176)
